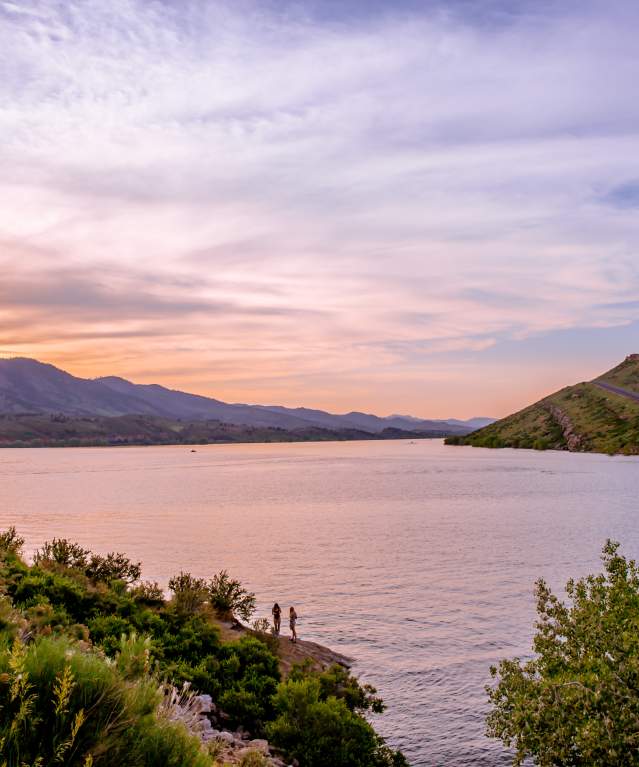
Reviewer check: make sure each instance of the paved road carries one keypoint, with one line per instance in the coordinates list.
(617, 390)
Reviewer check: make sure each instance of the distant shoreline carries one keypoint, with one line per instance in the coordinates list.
(40, 443)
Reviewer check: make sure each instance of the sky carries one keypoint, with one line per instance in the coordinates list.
(417, 207)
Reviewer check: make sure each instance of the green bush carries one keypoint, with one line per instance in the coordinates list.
(60, 705)
(113, 566)
(230, 598)
(576, 702)
(107, 631)
(323, 731)
(11, 542)
(338, 682)
(248, 677)
(254, 759)
(148, 593)
(189, 593)
(62, 552)
(77, 609)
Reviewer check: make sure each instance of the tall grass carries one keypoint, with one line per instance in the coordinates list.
(60, 705)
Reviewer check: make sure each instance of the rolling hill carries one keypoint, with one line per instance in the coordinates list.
(599, 416)
(37, 398)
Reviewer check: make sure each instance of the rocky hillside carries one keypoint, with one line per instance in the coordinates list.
(600, 416)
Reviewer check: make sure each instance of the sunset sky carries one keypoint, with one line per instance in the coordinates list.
(417, 207)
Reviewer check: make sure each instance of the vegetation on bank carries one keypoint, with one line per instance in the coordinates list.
(87, 653)
(584, 417)
(48, 430)
(576, 703)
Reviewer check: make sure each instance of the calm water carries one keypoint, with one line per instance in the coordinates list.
(416, 559)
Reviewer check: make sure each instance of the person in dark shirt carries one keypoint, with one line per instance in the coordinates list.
(277, 618)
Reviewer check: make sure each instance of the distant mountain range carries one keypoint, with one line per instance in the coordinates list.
(599, 416)
(32, 389)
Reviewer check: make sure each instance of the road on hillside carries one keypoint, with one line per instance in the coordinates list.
(618, 390)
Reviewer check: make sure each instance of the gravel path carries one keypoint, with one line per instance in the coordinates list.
(618, 390)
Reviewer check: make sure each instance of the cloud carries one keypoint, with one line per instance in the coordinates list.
(298, 191)
(624, 195)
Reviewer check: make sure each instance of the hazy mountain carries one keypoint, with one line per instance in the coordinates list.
(472, 423)
(29, 386)
(600, 416)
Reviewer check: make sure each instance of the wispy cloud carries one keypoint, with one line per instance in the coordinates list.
(276, 194)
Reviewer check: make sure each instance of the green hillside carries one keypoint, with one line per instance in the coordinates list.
(599, 416)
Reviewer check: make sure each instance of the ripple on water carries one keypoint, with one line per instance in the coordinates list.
(416, 559)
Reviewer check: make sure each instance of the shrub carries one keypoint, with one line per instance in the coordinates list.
(338, 682)
(98, 568)
(576, 702)
(62, 552)
(62, 706)
(38, 587)
(9, 620)
(248, 676)
(325, 732)
(11, 542)
(114, 566)
(189, 593)
(264, 632)
(148, 593)
(230, 598)
(139, 630)
(254, 759)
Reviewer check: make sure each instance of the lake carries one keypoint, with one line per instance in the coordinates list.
(416, 559)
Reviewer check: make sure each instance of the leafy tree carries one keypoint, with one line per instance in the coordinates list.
(230, 598)
(576, 704)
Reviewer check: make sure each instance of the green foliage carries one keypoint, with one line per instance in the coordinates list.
(263, 630)
(254, 759)
(189, 593)
(576, 702)
(583, 417)
(62, 552)
(338, 682)
(114, 566)
(98, 568)
(322, 731)
(230, 598)
(9, 620)
(59, 705)
(248, 677)
(11, 542)
(77, 610)
(148, 593)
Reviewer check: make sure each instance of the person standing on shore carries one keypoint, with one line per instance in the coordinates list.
(292, 619)
(277, 618)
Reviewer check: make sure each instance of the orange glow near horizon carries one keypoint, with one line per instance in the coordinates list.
(430, 226)
(498, 389)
